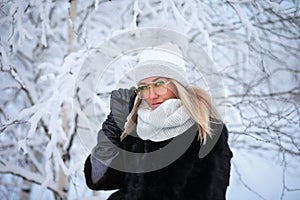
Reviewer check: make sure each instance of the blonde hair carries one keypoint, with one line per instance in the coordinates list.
(198, 104)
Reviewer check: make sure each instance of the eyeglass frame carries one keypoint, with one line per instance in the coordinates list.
(149, 86)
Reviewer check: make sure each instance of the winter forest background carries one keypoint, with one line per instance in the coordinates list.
(43, 44)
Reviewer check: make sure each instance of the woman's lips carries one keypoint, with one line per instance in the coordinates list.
(155, 105)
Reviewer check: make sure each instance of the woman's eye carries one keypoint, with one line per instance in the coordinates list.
(159, 83)
(143, 87)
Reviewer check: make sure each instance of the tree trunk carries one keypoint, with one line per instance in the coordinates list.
(63, 179)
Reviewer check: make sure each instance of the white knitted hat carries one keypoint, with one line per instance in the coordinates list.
(165, 61)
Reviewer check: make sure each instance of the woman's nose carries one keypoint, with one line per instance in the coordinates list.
(152, 94)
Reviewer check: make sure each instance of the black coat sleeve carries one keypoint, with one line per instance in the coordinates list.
(106, 149)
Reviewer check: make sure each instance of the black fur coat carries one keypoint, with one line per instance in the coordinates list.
(187, 178)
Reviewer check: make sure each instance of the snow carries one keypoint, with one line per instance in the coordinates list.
(43, 115)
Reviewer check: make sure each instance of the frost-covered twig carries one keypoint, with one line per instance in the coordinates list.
(5, 126)
(30, 176)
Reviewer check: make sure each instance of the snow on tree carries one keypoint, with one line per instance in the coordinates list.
(43, 44)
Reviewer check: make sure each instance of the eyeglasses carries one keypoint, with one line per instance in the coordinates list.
(159, 87)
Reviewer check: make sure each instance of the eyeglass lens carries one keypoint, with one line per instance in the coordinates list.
(159, 87)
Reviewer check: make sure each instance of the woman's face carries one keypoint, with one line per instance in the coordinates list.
(155, 99)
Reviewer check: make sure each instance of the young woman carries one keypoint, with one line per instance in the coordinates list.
(163, 114)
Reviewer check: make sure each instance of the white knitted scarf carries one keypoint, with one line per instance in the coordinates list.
(168, 120)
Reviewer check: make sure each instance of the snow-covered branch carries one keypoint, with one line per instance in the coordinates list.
(32, 177)
(254, 44)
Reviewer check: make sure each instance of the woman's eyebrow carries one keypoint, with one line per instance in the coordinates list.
(156, 79)
(152, 80)
(142, 83)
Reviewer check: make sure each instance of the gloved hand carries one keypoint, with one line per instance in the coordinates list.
(106, 149)
(121, 103)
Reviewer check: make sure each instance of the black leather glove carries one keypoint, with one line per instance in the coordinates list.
(121, 103)
(107, 150)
